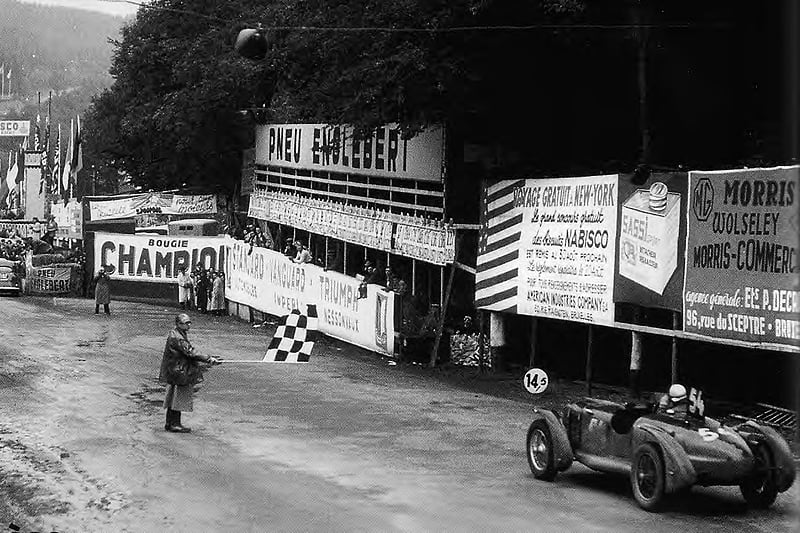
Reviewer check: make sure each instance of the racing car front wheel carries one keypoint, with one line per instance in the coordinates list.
(761, 489)
(647, 477)
(540, 451)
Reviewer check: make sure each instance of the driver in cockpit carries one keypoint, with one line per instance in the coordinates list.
(675, 402)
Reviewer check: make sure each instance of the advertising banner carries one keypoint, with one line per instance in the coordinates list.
(152, 203)
(21, 228)
(547, 248)
(652, 233)
(69, 219)
(155, 258)
(268, 281)
(433, 243)
(568, 239)
(333, 148)
(49, 279)
(15, 128)
(258, 207)
(742, 266)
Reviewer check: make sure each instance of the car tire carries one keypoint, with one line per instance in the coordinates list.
(539, 449)
(647, 477)
(761, 490)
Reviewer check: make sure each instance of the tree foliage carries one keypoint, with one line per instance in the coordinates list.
(544, 86)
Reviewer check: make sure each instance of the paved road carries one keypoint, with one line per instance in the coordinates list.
(345, 443)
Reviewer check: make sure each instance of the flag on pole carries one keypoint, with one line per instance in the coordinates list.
(294, 338)
(4, 190)
(37, 135)
(77, 157)
(11, 176)
(55, 175)
(67, 172)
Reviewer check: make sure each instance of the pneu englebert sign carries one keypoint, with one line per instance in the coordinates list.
(334, 148)
(742, 267)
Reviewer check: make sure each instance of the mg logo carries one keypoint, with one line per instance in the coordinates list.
(703, 199)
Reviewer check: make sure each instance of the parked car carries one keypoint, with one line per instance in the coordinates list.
(662, 452)
(10, 281)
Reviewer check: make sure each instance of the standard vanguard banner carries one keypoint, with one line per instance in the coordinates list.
(155, 258)
(742, 266)
(268, 281)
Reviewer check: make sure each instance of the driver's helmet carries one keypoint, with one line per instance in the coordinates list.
(677, 393)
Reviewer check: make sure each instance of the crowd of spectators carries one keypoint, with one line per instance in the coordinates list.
(204, 289)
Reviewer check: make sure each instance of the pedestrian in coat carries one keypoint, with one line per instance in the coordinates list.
(218, 294)
(102, 292)
(179, 398)
(184, 288)
(201, 286)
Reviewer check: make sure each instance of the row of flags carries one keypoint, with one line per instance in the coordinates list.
(57, 179)
(5, 81)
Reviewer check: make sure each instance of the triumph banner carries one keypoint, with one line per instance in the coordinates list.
(742, 266)
(155, 258)
(270, 282)
(333, 148)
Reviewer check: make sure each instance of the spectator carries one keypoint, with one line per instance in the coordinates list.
(51, 230)
(201, 287)
(218, 295)
(102, 291)
(303, 255)
(394, 283)
(37, 229)
(290, 250)
(184, 288)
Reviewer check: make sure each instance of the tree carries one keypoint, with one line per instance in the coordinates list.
(547, 87)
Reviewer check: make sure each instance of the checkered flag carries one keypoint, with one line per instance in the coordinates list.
(294, 338)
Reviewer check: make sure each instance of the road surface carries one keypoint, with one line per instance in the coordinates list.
(347, 442)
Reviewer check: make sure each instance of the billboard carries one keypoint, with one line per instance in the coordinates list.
(155, 258)
(742, 266)
(335, 148)
(547, 248)
(268, 281)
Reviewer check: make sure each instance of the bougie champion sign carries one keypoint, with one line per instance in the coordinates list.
(155, 259)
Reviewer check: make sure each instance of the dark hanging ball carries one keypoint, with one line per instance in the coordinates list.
(251, 44)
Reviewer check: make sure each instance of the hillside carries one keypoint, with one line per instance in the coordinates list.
(63, 50)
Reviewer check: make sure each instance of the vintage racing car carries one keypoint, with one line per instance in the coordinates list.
(9, 277)
(662, 452)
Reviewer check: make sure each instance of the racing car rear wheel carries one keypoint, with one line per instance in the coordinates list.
(761, 489)
(540, 451)
(647, 477)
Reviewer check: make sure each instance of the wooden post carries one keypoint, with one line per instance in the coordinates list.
(589, 349)
(675, 326)
(443, 309)
(534, 334)
(413, 277)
